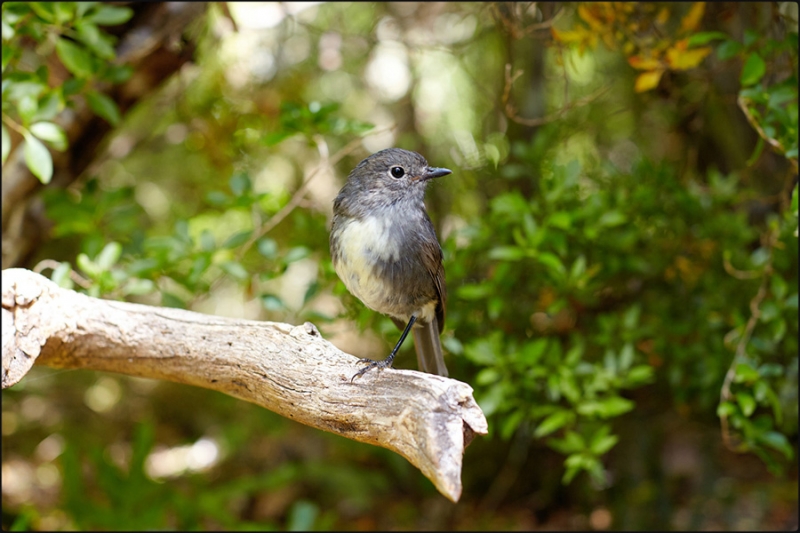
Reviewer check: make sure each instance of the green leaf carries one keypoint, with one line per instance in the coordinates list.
(745, 373)
(764, 393)
(553, 263)
(561, 220)
(756, 153)
(757, 94)
(511, 204)
(207, 242)
(7, 51)
(729, 49)
(17, 91)
(88, 266)
(111, 15)
(217, 198)
(475, 291)
(75, 58)
(199, 266)
(138, 287)
(639, 375)
(631, 317)
(72, 86)
(601, 445)
(61, 274)
(483, 351)
(268, 248)
(38, 158)
(235, 269)
(507, 253)
(52, 133)
(533, 351)
(117, 73)
(302, 516)
(577, 462)
(272, 302)
(746, 402)
(172, 300)
(726, 409)
(50, 105)
(492, 399)
(273, 138)
(554, 422)
(610, 361)
(64, 11)
(98, 42)
(753, 70)
(781, 95)
(770, 370)
(511, 423)
(104, 106)
(240, 183)
(487, 376)
(750, 37)
(608, 408)
(704, 37)
(452, 345)
(44, 10)
(83, 8)
(578, 267)
(571, 443)
(626, 356)
(6, 145)
(777, 441)
(612, 218)
(296, 253)
(569, 387)
(109, 256)
(237, 239)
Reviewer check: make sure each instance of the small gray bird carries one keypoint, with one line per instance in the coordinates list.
(384, 249)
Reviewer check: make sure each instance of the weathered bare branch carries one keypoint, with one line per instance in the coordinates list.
(287, 369)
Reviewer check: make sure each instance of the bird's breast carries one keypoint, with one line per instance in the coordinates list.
(363, 244)
(376, 266)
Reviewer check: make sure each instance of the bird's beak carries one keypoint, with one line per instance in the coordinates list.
(433, 172)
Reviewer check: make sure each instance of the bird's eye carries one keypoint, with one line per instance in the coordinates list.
(397, 172)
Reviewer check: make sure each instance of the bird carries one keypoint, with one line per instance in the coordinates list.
(384, 248)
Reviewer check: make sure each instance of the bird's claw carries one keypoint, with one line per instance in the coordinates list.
(385, 363)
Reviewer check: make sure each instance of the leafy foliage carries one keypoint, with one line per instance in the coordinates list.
(31, 99)
(598, 255)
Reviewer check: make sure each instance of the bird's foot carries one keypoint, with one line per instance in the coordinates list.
(385, 363)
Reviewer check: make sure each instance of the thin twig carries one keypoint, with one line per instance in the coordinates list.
(53, 264)
(774, 143)
(510, 79)
(511, 112)
(544, 25)
(755, 312)
(736, 273)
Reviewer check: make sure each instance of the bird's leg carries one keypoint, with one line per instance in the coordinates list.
(386, 363)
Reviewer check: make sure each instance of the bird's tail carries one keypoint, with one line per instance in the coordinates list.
(429, 349)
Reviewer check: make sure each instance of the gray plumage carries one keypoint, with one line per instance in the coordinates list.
(384, 248)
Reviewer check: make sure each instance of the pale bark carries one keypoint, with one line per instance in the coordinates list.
(290, 370)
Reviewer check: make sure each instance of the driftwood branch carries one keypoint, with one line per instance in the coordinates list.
(287, 369)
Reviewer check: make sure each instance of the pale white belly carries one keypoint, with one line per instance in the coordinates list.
(362, 243)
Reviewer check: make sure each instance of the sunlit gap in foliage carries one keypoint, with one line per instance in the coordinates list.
(261, 15)
(173, 462)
